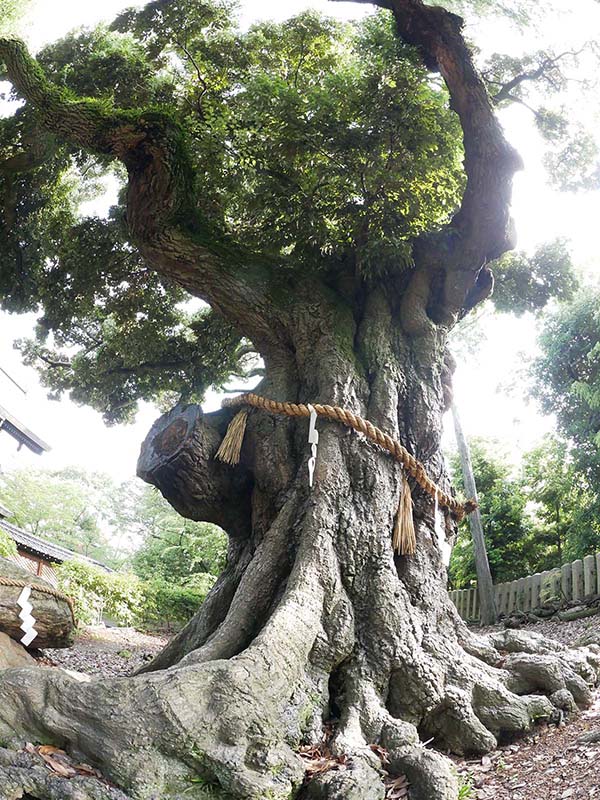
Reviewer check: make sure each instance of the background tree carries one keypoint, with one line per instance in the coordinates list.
(567, 377)
(566, 505)
(174, 548)
(64, 506)
(536, 515)
(310, 183)
(507, 527)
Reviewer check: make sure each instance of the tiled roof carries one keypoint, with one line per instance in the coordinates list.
(48, 550)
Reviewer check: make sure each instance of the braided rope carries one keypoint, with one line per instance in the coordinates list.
(21, 584)
(411, 465)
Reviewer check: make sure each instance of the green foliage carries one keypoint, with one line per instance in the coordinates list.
(7, 545)
(506, 527)
(120, 596)
(168, 604)
(11, 13)
(466, 787)
(126, 599)
(518, 12)
(567, 526)
(524, 283)
(64, 506)
(544, 517)
(567, 377)
(318, 145)
(572, 163)
(175, 566)
(177, 549)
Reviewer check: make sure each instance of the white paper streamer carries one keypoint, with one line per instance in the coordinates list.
(440, 532)
(28, 624)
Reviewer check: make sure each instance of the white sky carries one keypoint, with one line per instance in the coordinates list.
(78, 436)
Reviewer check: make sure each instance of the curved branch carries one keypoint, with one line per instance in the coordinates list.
(161, 214)
(481, 230)
(543, 70)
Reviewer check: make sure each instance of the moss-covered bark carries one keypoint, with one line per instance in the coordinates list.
(315, 618)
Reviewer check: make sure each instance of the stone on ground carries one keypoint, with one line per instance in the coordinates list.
(13, 654)
(54, 621)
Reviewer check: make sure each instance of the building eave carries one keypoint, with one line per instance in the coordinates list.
(49, 551)
(23, 435)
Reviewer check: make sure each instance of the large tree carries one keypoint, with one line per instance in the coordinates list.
(305, 182)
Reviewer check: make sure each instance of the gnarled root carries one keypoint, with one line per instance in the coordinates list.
(237, 722)
(320, 623)
(23, 773)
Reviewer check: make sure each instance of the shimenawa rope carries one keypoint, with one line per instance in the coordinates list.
(21, 584)
(404, 534)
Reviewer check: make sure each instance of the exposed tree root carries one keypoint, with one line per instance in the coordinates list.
(25, 775)
(236, 722)
(314, 620)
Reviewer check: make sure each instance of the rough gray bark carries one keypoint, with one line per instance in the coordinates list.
(315, 618)
(54, 621)
(485, 585)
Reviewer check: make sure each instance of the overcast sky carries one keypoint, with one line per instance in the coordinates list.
(78, 436)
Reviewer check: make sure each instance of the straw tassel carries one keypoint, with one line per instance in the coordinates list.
(231, 446)
(404, 540)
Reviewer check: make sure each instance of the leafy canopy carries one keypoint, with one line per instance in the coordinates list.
(535, 518)
(567, 376)
(321, 145)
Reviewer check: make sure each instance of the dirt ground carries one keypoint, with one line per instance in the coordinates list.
(551, 763)
(108, 651)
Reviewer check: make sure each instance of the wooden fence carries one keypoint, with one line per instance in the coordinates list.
(573, 582)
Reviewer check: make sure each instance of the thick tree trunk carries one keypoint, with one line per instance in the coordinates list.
(314, 619)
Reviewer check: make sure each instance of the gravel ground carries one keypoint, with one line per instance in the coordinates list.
(107, 651)
(552, 763)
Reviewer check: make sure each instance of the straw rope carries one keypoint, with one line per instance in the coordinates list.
(411, 465)
(21, 584)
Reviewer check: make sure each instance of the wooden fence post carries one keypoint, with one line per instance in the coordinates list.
(544, 586)
(527, 589)
(536, 582)
(577, 569)
(476, 608)
(589, 576)
(555, 583)
(598, 572)
(566, 581)
(499, 597)
(514, 595)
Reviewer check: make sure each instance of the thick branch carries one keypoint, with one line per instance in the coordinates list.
(163, 221)
(178, 458)
(481, 229)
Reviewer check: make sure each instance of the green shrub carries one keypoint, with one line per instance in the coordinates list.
(127, 600)
(169, 604)
(7, 545)
(119, 595)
